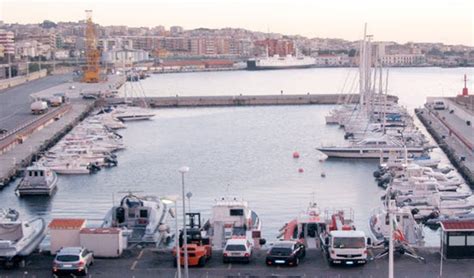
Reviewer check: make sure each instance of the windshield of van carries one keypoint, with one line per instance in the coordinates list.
(349, 242)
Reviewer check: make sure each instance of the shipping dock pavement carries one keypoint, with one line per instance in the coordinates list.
(147, 262)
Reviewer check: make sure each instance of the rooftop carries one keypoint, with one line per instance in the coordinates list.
(67, 223)
(457, 225)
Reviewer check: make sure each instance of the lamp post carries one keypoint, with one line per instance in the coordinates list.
(183, 170)
(170, 200)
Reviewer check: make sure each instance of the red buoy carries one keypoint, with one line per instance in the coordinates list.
(300, 170)
(296, 155)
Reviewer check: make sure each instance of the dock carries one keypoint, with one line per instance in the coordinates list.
(41, 137)
(29, 135)
(149, 262)
(243, 100)
(453, 130)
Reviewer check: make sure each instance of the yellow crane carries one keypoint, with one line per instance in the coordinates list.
(92, 68)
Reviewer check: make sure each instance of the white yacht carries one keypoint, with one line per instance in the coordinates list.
(130, 113)
(38, 180)
(232, 217)
(19, 238)
(370, 148)
(143, 219)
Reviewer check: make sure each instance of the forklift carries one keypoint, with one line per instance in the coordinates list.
(198, 243)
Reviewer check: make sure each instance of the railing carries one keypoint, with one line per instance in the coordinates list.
(14, 136)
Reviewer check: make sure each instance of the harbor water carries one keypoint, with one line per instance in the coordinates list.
(244, 152)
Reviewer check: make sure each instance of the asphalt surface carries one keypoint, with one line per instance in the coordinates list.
(15, 102)
(150, 263)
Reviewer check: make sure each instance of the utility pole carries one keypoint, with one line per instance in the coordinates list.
(9, 65)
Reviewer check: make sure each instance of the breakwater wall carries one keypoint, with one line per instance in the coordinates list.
(457, 159)
(26, 151)
(244, 100)
(15, 81)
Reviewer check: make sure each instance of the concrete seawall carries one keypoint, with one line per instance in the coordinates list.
(7, 83)
(19, 157)
(244, 100)
(458, 153)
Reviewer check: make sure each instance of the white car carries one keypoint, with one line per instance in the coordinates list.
(237, 250)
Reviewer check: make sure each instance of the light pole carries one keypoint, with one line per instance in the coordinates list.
(184, 170)
(170, 200)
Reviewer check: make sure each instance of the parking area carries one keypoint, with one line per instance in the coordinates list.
(152, 263)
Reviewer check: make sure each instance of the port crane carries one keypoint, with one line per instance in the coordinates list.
(92, 68)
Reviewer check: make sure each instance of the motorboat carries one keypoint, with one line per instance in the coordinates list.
(370, 148)
(143, 219)
(232, 217)
(19, 238)
(305, 228)
(71, 167)
(38, 180)
(405, 226)
(128, 113)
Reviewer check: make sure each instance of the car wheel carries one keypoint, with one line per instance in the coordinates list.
(225, 261)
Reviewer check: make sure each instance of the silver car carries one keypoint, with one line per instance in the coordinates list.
(72, 260)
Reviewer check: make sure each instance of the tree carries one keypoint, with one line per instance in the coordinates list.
(47, 24)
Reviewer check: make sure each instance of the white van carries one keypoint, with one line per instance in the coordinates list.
(439, 105)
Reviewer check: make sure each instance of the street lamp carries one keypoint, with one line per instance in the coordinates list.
(170, 200)
(183, 170)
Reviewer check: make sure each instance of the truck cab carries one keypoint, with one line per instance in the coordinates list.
(346, 247)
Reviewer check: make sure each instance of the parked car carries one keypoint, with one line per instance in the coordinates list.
(285, 253)
(3, 131)
(237, 250)
(72, 260)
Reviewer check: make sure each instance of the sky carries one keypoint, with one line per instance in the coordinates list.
(448, 21)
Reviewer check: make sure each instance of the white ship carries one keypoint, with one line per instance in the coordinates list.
(277, 62)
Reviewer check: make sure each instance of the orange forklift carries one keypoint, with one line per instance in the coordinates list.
(199, 246)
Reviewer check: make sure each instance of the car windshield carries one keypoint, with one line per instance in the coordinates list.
(349, 242)
(235, 247)
(67, 258)
(280, 251)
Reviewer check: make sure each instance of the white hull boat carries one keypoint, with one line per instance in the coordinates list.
(19, 238)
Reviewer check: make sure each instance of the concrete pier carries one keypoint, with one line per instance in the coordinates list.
(453, 130)
(244, 100)
(22, 154)
(147, 262)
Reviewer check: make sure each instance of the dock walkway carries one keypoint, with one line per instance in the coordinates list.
(454, 136)
(243, 100)
(146, 262)
(22, 154)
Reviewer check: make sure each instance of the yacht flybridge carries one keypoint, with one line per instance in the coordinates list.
(232, 217)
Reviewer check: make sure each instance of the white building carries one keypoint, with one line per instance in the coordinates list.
(402, 59)
(124, 56)
(8, 42)
(61, 54)
(331, 60)
(26, 48)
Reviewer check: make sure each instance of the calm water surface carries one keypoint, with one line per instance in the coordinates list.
(241, 151)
